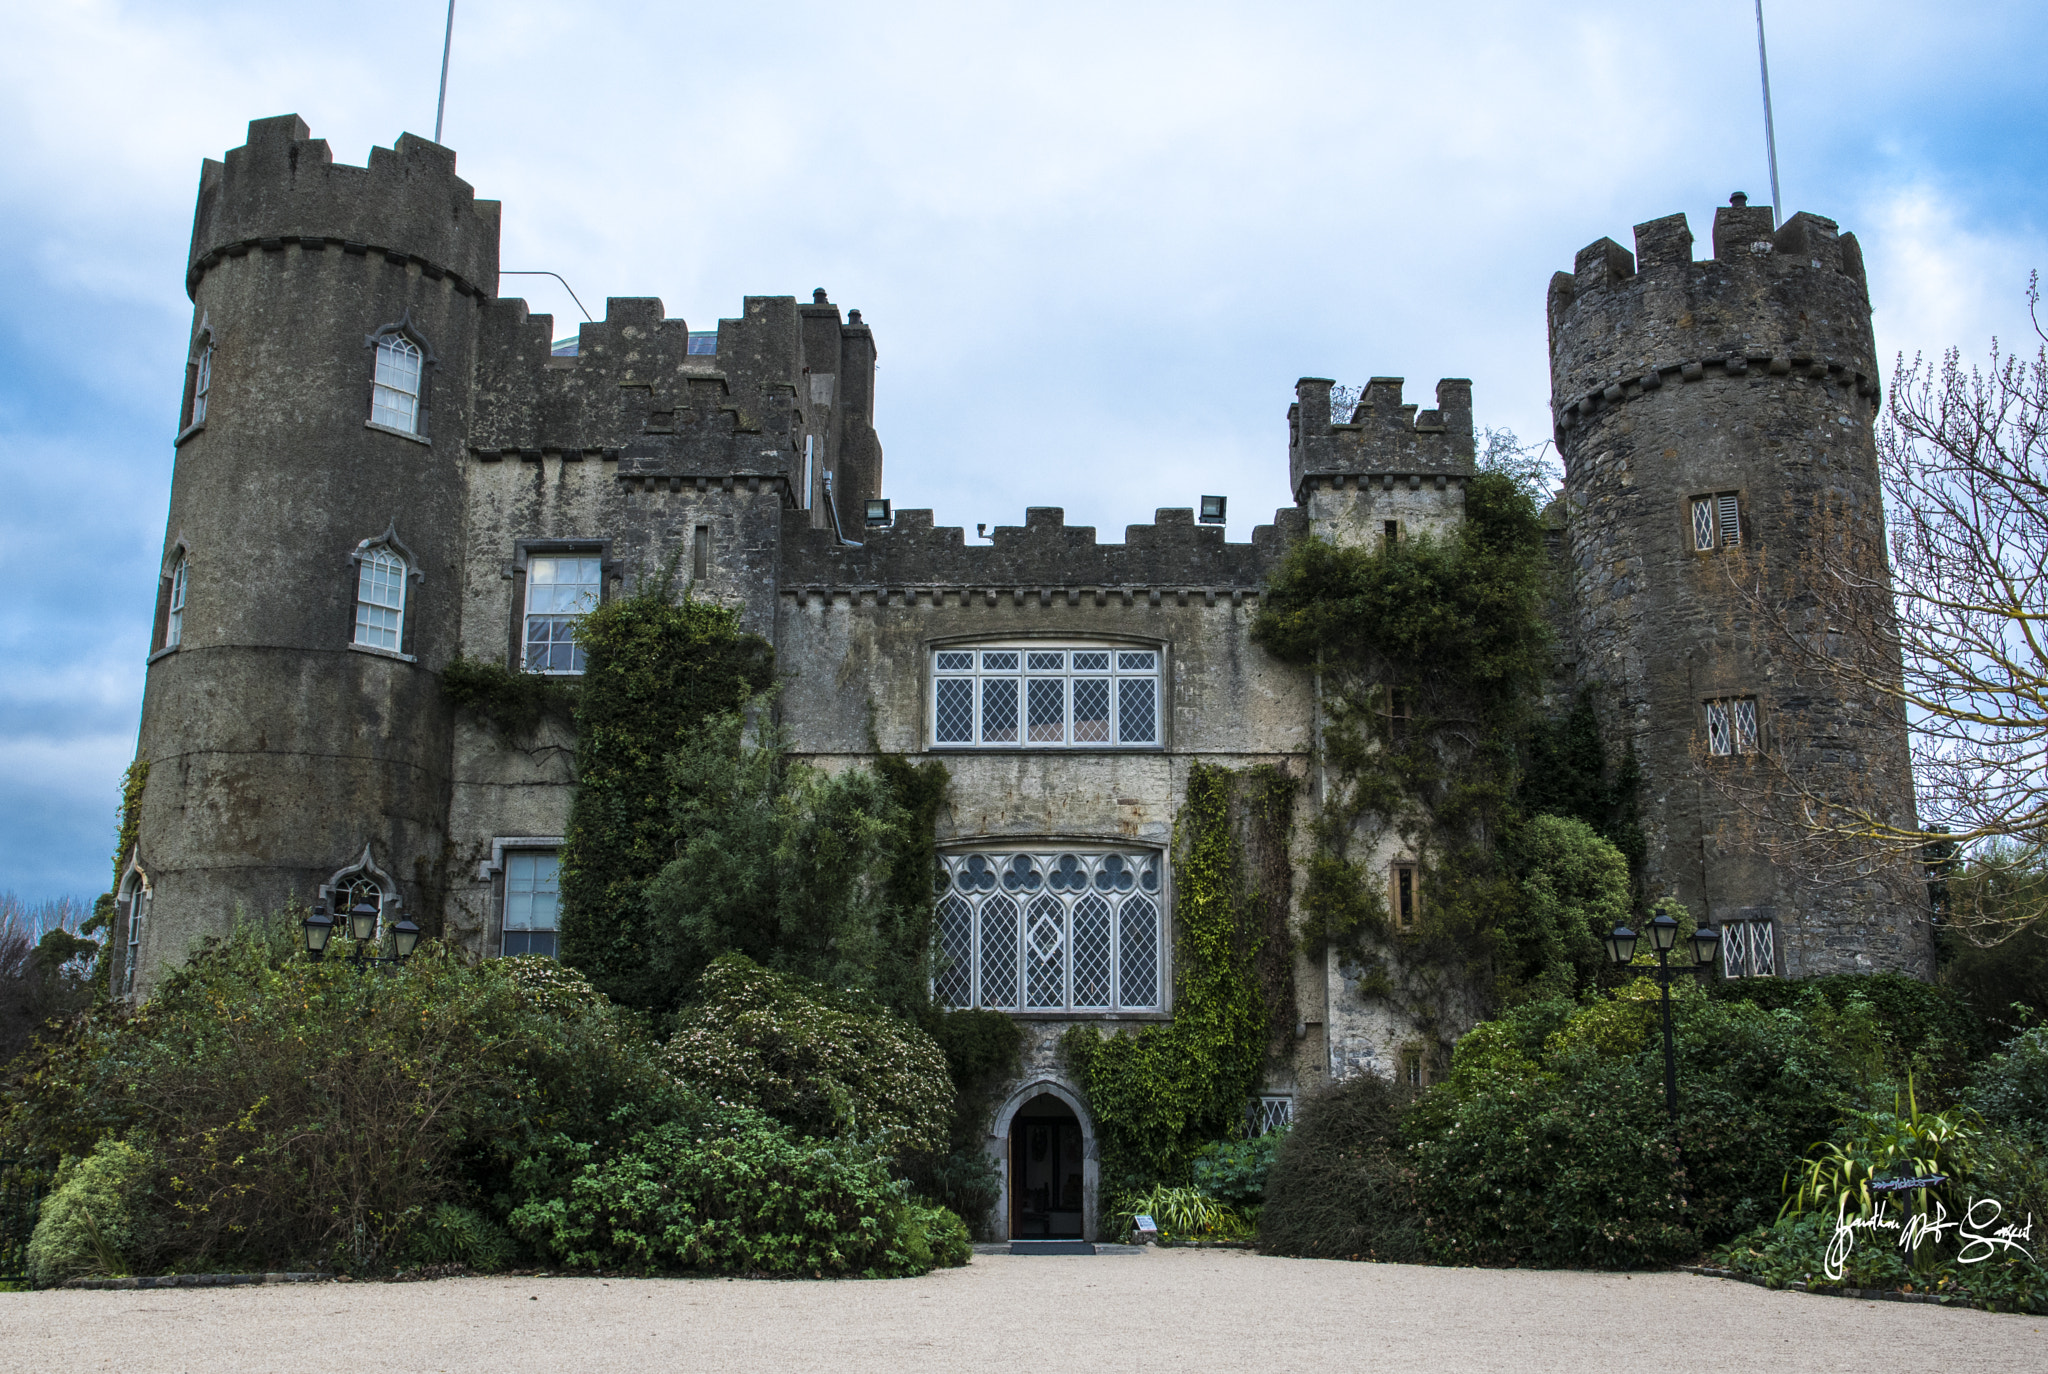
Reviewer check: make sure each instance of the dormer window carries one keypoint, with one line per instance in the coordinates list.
(395, 394)
(1046, 696)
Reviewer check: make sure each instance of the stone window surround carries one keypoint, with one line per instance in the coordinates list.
(1688, 515)
(612, 572)
(389, 905)
(404, 327)
(1413, 870)
(492, 871)
(414, 578)
(125, 936)
(928, 671)
(1730, 709)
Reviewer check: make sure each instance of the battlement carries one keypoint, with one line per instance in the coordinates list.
(283, 186)
(1171, 557)
(1793, 299)
(1384, 437)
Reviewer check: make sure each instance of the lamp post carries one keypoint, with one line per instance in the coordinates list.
(318, 928)
(1621, 949)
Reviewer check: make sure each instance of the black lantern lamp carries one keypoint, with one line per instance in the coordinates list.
(319, 929)
(405, 936)
(362, 922)
(1706, 943)
(1663, 932)
(1621, 945)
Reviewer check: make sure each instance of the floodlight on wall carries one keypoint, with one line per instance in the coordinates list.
(1212, 509)
(878, 511)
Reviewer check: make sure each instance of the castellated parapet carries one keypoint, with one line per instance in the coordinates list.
(1715, 419)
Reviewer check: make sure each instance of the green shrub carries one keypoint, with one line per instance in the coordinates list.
(735, 1193)
(1234, 1171)
(820, 1063)
(1181, 1213)
(1339, 1186)
(98, 1220)
(983, 1052)
(2011, 1088)
(450, 1235)
(1921, 1029)
(932, 1238)
(2005, 986)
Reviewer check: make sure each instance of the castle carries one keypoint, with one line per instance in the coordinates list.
(382, 464)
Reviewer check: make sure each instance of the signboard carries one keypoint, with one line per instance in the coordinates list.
(1145, 1226)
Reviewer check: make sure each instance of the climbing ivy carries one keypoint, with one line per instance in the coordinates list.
(1160, 1094)
(512, 703)
(1429, 656)
(656, 667)
(128, 824)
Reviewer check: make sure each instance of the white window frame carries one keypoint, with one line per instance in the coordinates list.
(510, 859)
(202, 382)
(993, 914)
(1749, 949)
(137, 900)
(1732, 727)
(174, 612)
(399, 383)
(381, 569)
(1716, 521)
(971, 677)
(528, 615)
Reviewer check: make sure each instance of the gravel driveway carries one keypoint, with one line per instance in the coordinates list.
(1206, 1310)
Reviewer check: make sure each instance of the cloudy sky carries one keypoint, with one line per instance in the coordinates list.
(1097, 241)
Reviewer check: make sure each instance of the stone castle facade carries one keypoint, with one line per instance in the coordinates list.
(382, 464)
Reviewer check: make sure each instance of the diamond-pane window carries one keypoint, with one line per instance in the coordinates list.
(1031, 696)
(1748, 949)
(953, 710)
(1702, 524)
(1048, 931)
(1731, 726)
(1716, 521)
(999, 710)
(1720, 739)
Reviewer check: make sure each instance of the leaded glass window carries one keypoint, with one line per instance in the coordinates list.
(1731, 726)
(1748, 949)
(395, 396)
(1046, 697)
(1050, 930)
(532, 902)
(380, 600)
(1716, 521)
(560, 591)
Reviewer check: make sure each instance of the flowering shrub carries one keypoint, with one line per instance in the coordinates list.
(823, 1064)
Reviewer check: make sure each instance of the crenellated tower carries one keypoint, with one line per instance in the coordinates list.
(1715, 418)
(1388, 470)
(311, 576)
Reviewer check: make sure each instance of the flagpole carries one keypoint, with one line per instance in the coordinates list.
(1763, 65)
(448, 38)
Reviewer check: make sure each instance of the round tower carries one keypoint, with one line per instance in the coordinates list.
(1716, 421)
(293, 721)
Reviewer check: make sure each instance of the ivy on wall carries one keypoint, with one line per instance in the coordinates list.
(656, 667)
(125, 830)
(510, 702)
(1430, 655)
(1160, 1094)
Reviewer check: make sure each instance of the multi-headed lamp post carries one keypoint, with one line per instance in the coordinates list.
(1621, 948)
(362, 919)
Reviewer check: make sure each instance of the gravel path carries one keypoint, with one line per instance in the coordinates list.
(1206, 1310)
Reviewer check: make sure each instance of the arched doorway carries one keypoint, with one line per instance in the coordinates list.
(1044, 1143)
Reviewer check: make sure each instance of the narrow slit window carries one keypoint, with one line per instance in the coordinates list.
(1731, 520)
(1404, 899)
(700, 553)
(380, 601)
(1391, 532)
(395, 396)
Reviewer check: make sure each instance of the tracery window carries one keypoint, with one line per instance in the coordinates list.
(1050, 930)
(1731, 726)
(560, 590)
(395, 394)
(1046, 696)
(380, 600)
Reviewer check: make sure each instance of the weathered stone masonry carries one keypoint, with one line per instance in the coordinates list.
(288, 759)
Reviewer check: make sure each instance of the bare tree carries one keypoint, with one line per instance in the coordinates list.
(1954, 632)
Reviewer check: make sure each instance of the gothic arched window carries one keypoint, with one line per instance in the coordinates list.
(132, 905)
(360, 883)
(385, 568)
(174, 606)
(398, 379)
